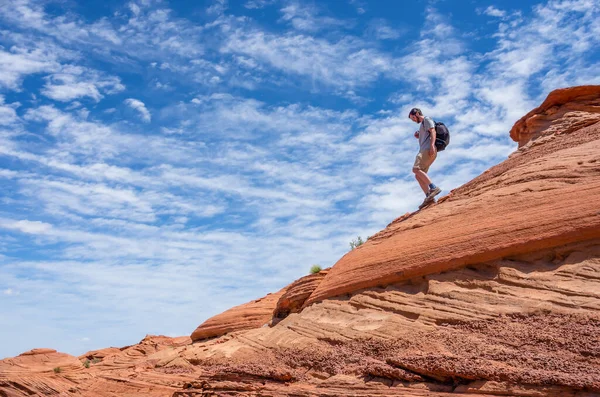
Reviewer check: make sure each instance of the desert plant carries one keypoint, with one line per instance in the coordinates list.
(86, 363)
(96, 361)
(356, 242)
(315, 269)
(57, 370)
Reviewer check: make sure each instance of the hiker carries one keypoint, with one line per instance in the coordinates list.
(426, 156)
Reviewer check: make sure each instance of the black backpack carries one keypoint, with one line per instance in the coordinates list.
(442, 136)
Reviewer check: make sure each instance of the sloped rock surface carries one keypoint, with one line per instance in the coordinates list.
(296, 294)
(546, 196)
(43, 371)
(247, 316)
(100, 354)
(524, 325)
(501, 296)
(132, 371)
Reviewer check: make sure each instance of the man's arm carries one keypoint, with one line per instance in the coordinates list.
(432, 143)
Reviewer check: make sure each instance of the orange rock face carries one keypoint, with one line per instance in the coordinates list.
(136, 370)
(247, 316)
(493, 291)
(543, 196)
(564, 111)
(296, 294)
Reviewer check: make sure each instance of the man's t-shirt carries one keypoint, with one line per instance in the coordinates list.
(424, 135)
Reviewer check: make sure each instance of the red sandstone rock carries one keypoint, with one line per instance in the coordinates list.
(508, 305)
(247, 316)
(34, 352)
(526, 325)
(296, 294)
(564, 110)
(545, 197)
(40, 360)
(135, 370)
(100, 354)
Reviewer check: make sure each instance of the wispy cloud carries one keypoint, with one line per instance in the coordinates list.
(306, 18)
(383, 31)
(218, 7)
(317, 59)
(494, 12)
(25, 226)
(140, 107)
(73, 82)
(148, 154)
(23, 59)
(257, 4)
(8, 112)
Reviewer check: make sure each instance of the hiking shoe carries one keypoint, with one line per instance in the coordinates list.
(426, 202)
(434, 192)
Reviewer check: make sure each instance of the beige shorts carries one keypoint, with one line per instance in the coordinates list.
(424, 160)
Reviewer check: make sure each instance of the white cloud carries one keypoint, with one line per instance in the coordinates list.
(345, 63)
(135, 9)
(361, 6)
(152, 33)
(382, 31)
(8, 113)
(19, 62)
(257, 4)
(305, 17)
(101, 200)
(92, 141)
(26, 226)
(558, 31)
(140, 107)
(74, 82)
(66, 28)
(9, 174)
(494, 12)
(218, 7)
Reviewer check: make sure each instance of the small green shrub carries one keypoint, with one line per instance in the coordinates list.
(315, 269)
(86, 363)
(57, 370)
(96, 361)
(357, 242)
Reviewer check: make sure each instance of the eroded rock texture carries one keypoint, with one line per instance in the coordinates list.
(564, 111)
(296, 295)
(526, 325)
(131, 371)
(250, 315)
(546, 196)
(501, 297)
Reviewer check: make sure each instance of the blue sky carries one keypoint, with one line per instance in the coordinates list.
(163, 161)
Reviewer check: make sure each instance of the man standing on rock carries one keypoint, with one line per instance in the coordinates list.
(426, 156)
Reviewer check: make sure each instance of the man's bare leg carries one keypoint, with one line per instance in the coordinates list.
(423, 180)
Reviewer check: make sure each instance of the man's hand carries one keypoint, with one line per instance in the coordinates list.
(417, 134)
(432, 134)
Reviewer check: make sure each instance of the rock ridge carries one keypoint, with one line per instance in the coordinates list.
(564, 110)
(502, 299)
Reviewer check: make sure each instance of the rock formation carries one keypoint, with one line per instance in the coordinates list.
(296, 294)
(247, 316)
(502, 297)
(564, 111)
